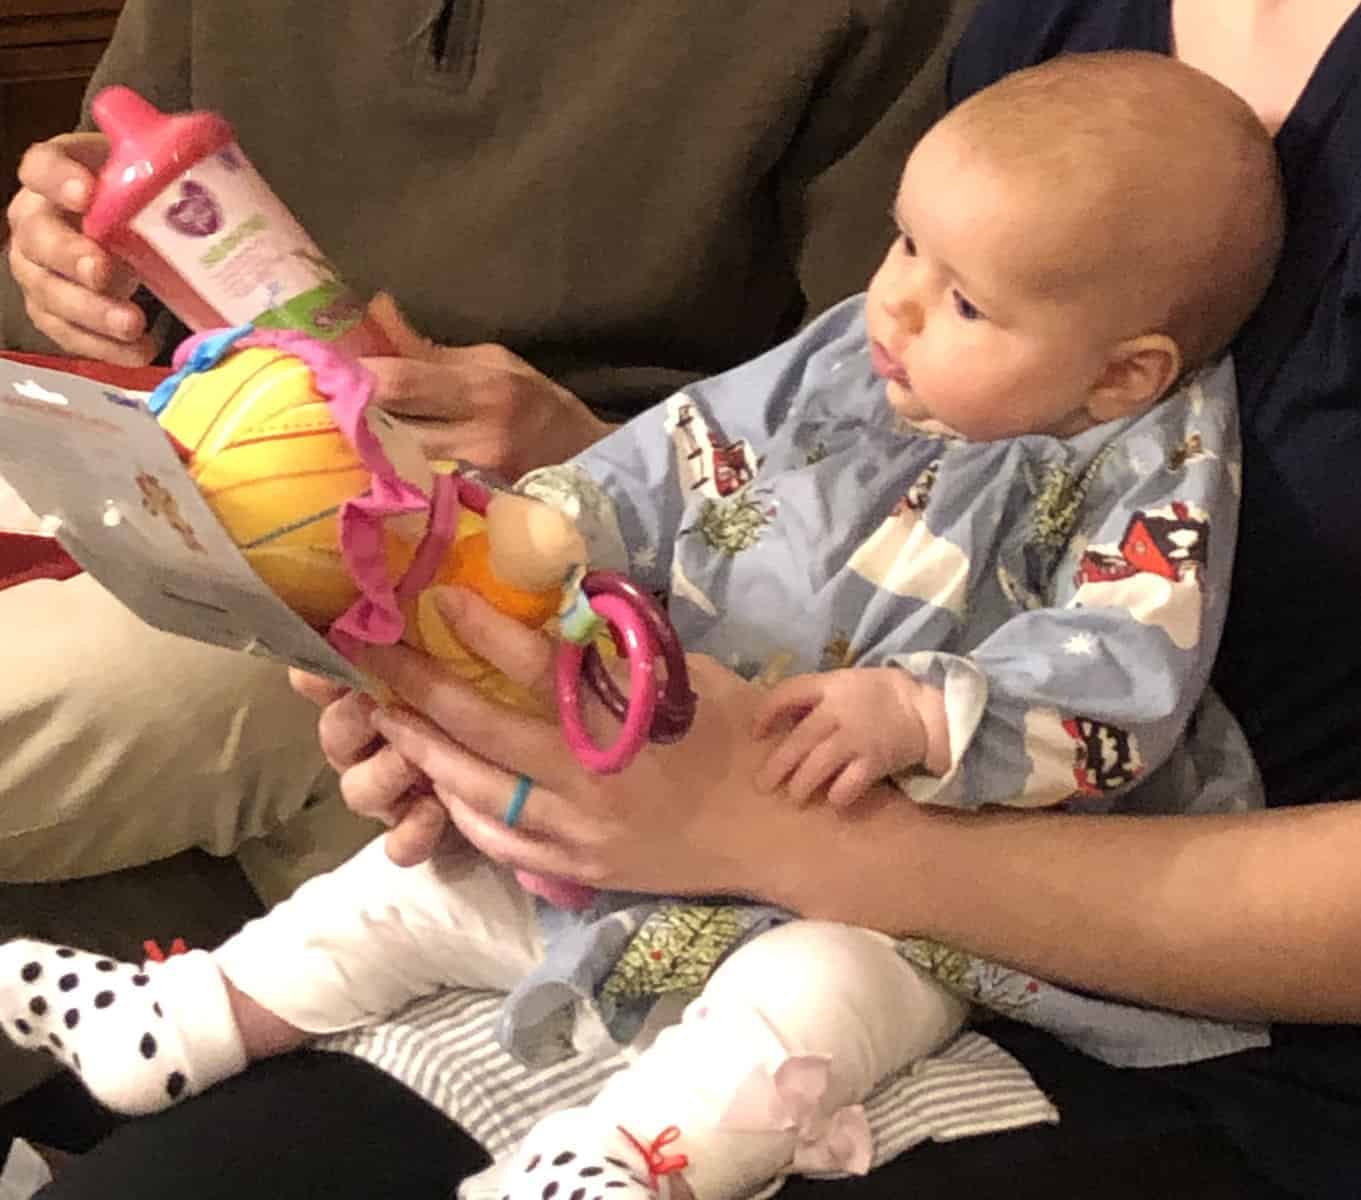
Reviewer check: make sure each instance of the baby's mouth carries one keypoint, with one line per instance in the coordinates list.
(887, 367)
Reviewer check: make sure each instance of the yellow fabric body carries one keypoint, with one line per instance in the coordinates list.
(275, 469)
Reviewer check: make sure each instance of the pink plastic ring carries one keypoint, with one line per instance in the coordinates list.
(675, 711)
(640, 651)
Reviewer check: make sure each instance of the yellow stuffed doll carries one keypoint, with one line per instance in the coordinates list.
(278, 435)
(336, 509)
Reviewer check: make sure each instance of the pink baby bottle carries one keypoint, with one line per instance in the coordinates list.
(180, 203)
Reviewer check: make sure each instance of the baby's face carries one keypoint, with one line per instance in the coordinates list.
(970, 325)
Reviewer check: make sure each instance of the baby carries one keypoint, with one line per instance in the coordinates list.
(1048, 279)
(990, 508)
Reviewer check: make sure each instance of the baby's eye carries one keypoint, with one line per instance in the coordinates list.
(909, 246)
(966, 308)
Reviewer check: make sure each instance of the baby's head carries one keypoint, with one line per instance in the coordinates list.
(1073, 240)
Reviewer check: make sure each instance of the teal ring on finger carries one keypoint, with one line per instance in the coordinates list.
(523, 785)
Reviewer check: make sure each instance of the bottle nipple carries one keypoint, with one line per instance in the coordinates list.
(125, 117)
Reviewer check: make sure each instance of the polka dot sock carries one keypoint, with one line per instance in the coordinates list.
(567, 1156)
(140, 1038)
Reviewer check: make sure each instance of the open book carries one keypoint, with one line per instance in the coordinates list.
(84, 461)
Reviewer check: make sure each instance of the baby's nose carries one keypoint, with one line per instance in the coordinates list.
(909, 314)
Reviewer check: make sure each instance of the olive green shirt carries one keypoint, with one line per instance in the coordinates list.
(626, 194)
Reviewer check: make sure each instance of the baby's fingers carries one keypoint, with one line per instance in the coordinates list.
(787, 702)
(852, 785)
(820, 767)
(792, 749)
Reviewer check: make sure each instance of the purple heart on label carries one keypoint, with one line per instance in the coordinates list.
(196, 213)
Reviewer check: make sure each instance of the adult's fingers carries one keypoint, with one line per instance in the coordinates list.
(83, 343)
(57, 185)
(405, 339)
(452, 383)
(88, 306)
(422, 378)
(518, 848)
(665, 824)
(316, 688)
(382, 784)
(345, 731)
(412, 387)
(375, 780)
(475, 795)
(525, 656)
(450, 768)
(418, 831)
(74, 292)
(62, 168)
(46, 238)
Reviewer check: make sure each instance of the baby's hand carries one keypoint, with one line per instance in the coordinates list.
(850, 729)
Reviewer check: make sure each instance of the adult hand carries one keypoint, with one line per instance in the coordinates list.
(683, 818)
(375, 780)
(1154, 892)
(74, 291)
(482, 404)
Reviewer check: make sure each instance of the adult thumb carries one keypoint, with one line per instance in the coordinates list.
(406, 341)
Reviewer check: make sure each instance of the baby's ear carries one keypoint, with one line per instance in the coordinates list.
(1136, 377)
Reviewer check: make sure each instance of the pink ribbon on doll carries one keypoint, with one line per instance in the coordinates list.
(376, 617)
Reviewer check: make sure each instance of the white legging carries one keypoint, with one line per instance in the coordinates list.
(811, 1014)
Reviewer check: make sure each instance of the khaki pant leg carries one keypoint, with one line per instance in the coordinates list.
(120, 744)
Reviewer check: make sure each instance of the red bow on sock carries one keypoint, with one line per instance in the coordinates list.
(658, 1163)
(152, 949)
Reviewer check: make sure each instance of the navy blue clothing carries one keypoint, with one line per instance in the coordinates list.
(1290, 661)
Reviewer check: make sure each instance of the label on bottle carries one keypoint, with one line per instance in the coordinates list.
(233, 241)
